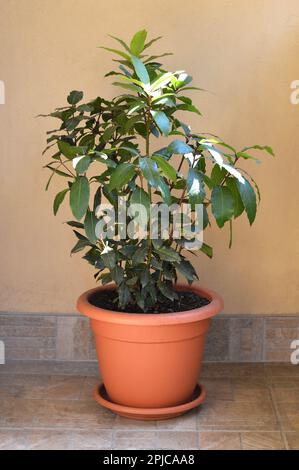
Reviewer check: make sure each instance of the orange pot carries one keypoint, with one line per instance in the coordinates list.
(150, 361)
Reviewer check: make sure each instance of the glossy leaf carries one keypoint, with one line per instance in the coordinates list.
(248, 197)
(59, 199)
(162, 121)
(177, 146)
(150, 171)
(140, 70)
(238, 204)
(122, 174)
(207, 250)
(195, 187)
(167, 170)
(222, 205)
(69, 151)
(137, 43)
(79, 197)
(90, 222)
(74, 97)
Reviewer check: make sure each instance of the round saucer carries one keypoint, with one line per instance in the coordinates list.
(103, 399)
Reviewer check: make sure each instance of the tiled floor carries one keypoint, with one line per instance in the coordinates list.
(46, 405)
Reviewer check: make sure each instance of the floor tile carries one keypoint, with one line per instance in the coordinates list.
(133, 440)
(185, 422)
(88, 387)
(250, 389)
(237, 415)
(219, 388)
(122, 423)
(232, 370)
(187, 440)
(262, 441)
(54, 440)
(281, 370)
(41, 386)
(292, 439)
(72, 414)
(289, 415)
(285, 389)
(209, 440)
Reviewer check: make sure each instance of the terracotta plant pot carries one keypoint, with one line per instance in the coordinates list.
(150, 363)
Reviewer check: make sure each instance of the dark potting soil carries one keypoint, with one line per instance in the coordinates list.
(186, 301)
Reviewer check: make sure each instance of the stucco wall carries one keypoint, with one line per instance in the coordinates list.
(245, 53)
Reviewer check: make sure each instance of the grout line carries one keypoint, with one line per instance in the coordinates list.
(285, 441)
(277, 414)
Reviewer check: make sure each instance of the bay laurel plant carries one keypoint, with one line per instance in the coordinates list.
(107, 149)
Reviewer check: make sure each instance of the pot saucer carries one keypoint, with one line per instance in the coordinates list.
(147, 414)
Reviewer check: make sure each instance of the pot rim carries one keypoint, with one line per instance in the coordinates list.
(151, 319)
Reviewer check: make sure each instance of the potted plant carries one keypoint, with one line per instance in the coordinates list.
(149, 329)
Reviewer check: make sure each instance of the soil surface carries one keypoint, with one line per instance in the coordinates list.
(186, 301)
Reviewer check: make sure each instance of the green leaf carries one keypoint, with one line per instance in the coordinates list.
(74, 223)
(148, 44)
(117, 274)
(189, 107)
(90, 222)
(151, 173)
(222, 205)
(121, 42)
(59, 199)
(109, 259)
(217, 175)
(195, 187)
(177, 146)
(265, 148)
(139, 256)
(167, 170)
(80, 245)
(139, 196)
(122, 174)
(79, 196)
(248, 197)
(182, 80)
(238, 204)
(74, 97)
(137, 43)
(246, 156)
(149, 170)
(207, 250)
(165, 191)
(162, 121)
(116, 51)
(187, 270)
(70, 151)
(81, 164)
(168, 291)
(97, 198)
(124, 295)
(108, 133)
(168, 254)
(161, 81)
(140, 70)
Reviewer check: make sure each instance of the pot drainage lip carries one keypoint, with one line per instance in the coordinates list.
(103, 399)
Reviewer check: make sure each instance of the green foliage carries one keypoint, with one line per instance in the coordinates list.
(102, 149)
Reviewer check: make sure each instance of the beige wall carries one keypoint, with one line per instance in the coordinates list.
(245, 52)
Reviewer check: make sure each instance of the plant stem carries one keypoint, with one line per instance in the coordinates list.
(149, 189)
